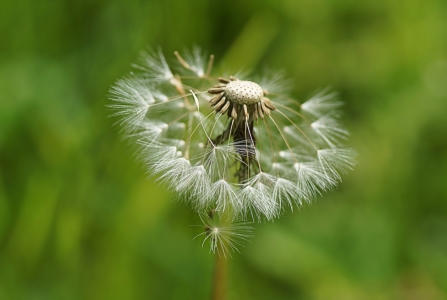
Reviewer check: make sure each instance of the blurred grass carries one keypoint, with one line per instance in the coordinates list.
(80, 220)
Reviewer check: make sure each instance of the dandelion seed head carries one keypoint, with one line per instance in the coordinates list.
(241, 148)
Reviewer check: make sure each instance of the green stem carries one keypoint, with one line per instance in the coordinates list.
(220, 277)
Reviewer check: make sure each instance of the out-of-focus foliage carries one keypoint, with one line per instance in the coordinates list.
(80, 220)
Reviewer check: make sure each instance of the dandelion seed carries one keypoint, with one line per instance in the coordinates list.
(321, 103)
(224, 236)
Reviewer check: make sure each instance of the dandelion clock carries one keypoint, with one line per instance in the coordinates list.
(238, 149)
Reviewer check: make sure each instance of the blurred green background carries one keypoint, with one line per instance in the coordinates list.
(79, 219)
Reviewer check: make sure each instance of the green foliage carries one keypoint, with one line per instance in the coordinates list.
(80, 220)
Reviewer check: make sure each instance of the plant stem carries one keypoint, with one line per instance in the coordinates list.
(220, 278)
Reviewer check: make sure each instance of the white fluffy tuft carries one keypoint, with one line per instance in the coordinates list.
(285, 158)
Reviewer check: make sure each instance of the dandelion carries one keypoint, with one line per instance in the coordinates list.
(238, 148)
